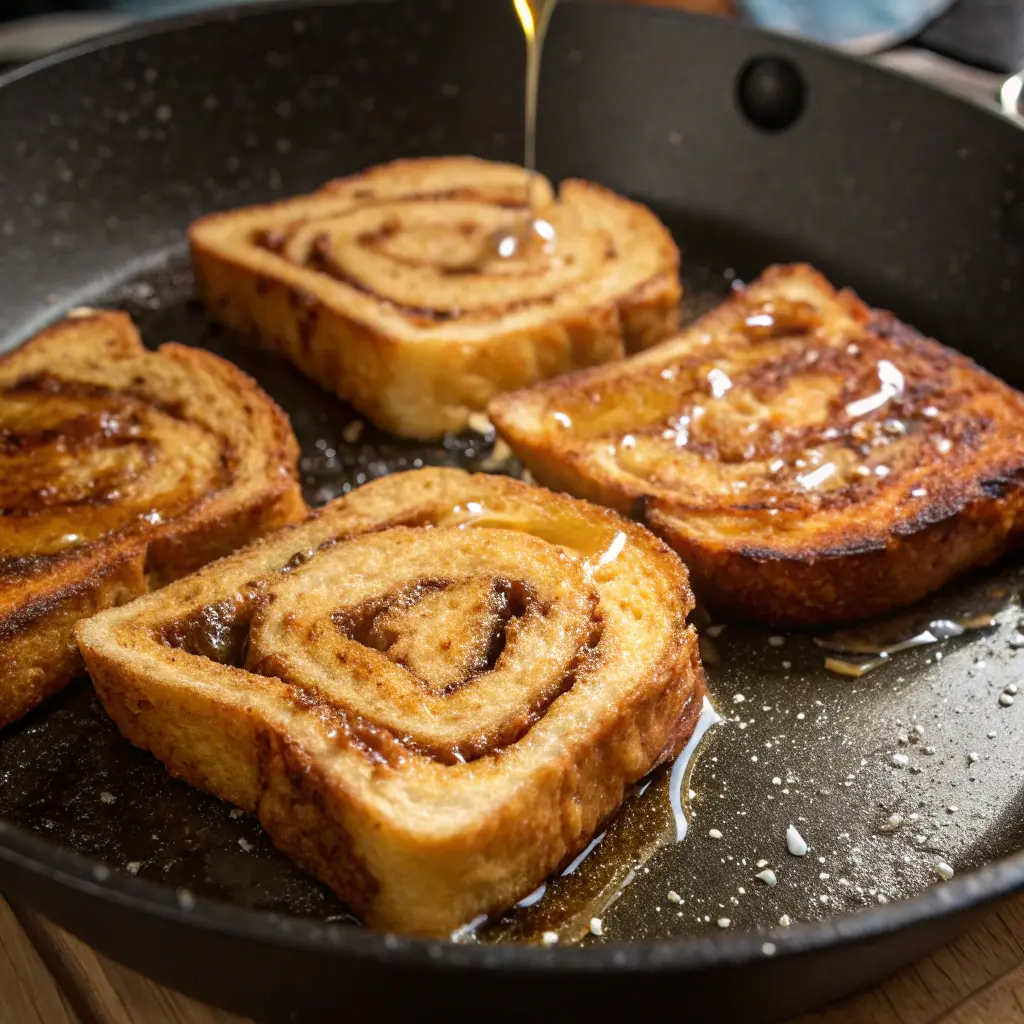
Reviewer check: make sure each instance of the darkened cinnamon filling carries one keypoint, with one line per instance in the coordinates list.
(802, 416)
(373, 624)
(220, 632)
(78, 418)
(322, 259)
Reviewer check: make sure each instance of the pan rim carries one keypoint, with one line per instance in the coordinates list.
(775, 42)
(21, 848)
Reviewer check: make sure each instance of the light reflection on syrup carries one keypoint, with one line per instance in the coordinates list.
(612, 552)
(891, 385)
(597, 543)
(779, 318)
(652, 818)
(861, 649)
(719, 382)
(816, 478)
(533, 897)
(523, 238)
(681, 767)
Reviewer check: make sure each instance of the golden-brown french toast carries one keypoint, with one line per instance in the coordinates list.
(120, 469)
(810, 459)
(432, 693)
(384, 286)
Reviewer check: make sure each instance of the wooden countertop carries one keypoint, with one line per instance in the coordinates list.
(49, 977)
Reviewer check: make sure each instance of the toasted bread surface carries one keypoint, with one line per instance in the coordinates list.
(812, 460)
(120, 469)
(378, 288)
(433, 693)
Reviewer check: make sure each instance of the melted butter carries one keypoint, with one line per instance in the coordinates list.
(655, 816)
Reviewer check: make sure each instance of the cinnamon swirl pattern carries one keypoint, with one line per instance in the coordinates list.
(810, 459)
(120, 469)
(386, 288)
(432, 693)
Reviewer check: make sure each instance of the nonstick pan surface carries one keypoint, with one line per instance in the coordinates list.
(907, 194)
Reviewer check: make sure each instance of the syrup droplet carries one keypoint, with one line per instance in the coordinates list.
(528, 237)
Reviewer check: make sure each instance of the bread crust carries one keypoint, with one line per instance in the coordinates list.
(414, 837)
(78, 449)
(340, 282)
(924, 469)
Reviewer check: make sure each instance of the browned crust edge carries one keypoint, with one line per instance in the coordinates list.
(37, 646)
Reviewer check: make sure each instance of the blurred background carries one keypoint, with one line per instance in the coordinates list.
(969, 45)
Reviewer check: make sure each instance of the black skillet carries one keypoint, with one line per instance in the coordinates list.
(754, 149)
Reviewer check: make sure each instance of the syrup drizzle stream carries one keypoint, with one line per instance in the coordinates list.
(534, 16)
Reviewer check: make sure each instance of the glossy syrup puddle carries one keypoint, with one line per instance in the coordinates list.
(652, 817)
(862, 649)
(886, 776)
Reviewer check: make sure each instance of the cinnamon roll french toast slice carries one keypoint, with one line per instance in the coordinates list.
(433, 693)
(385, 287)
(811, 460)
(120, 469)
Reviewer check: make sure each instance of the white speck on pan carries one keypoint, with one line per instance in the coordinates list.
(795, 843)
